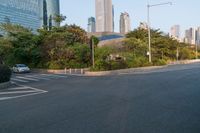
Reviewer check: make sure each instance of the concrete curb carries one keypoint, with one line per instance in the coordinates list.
(4, 85)
(118, 72)
(139, 70)
(86, 72)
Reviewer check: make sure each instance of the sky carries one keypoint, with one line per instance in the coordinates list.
(182, 12)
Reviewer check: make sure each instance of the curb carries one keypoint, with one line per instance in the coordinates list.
(5, 85)
(139, 69)
(118, 72)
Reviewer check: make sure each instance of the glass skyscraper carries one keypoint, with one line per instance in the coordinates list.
(22, 12)
(91, 25)
(48, 10)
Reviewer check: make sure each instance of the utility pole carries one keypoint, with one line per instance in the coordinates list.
(93, 62)
(149, 26)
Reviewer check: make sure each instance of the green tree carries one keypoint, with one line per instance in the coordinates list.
(59, 18)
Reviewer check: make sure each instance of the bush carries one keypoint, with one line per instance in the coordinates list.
(115, 65)
(5, 74)
(159, 62)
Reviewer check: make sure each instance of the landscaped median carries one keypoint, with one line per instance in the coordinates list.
(5, 74)
(139, 69)
(87, 72)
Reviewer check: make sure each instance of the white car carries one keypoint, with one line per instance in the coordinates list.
(21, 68)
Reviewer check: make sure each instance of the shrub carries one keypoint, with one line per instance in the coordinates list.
(115, 65)
(159, 62)
(5, 74)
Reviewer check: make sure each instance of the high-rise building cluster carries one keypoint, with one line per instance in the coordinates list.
(104, 22)
(191, 36)
(32, 14)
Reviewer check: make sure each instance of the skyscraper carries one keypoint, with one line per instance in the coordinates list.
(175, 32)
(104, 16)
(48, 11)
(91, 25)
(22, 12)
(190, 36)
(125, 23)
(198, 35)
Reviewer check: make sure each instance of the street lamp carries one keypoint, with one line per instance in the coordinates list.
(149, 27)
(196, 51)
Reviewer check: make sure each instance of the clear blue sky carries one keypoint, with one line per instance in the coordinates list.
(182, 12)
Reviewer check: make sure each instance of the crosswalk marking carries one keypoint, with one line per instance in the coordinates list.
(16, 92)
(32, 79)
(17, 88)
(37, 77)
(19, 80)
(54, 75)
(19, 92)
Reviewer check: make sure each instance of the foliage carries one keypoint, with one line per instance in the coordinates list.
(5, 74)
(186, 53)
(68, 46)
(59, 18)
(19, 46)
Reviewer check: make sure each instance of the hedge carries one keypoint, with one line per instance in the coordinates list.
(5, 73)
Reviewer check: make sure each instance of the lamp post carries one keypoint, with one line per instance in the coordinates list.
(93, 62)
(149, 27)
(196, 51)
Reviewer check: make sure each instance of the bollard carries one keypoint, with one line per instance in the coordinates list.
(70, 71)
(65, 70)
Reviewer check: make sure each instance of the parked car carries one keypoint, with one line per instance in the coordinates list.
(21, 68)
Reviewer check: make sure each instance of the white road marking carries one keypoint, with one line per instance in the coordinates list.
(32, 91)
(19, 80)
(32, 94)
(13, 82)
(54, 75)
(32, 79)
(17, 88)
(16, 92)
(37, 77)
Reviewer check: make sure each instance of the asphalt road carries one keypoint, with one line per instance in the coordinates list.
(166, 101)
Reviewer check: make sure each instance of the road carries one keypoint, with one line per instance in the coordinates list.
(166, 101)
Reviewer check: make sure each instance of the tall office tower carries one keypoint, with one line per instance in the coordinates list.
(175, 32)
(113, 12)
(125, 23)
(48, 11)
(198, 35)
(104, 16)
(91, 25)
(190, 36)
(22, 12)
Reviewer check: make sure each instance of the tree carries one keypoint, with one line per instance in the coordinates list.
(59, 18)
(77, 35)
(21, 43)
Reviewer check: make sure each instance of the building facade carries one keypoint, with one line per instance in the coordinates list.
(125, 23)
(22, 12)
(175, 32)
(198, 36)
(190, 36)
(48, 11)
(91, 25)
(104, 16)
